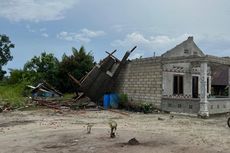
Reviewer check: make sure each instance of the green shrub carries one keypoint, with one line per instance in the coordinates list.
(123, 100)
(124, 103)
(147, 107)
(12, 94)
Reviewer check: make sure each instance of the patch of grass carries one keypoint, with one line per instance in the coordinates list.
(12, 94)
(68, 96)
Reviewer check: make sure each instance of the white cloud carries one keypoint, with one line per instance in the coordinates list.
(84, 35)
(148, 45)
(41, 31)
(35, 10)
(28, 27)
(218, 45)
(119, 27)
(45, 35)
(89, 33)
(139, 39)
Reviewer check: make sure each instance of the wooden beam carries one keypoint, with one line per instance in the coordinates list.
(133, 49)
(74, 79)
(111, 53)
(112, 56)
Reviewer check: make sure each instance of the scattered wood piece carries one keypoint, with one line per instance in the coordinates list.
(161, 119)
(48, 104)
(5, 107)
(79, 96)
(74, 79)
(119, 112)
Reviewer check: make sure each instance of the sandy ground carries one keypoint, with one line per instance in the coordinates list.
(48, 131)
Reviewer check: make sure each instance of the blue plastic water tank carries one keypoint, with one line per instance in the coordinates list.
(106, 101)
(114, 100)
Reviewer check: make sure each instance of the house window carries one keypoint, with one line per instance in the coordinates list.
(208, 85)
(178, 85)
(186, 51)
(195, 53)
(211, 106)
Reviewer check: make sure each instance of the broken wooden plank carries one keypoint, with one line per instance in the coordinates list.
(111, 53)
(74, 79)
(47, 104)
(113, 56)
(79, 96)
(51, 87)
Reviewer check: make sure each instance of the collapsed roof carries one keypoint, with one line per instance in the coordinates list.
(101, 78)
(44, 87)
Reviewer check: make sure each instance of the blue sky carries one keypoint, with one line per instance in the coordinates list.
(56, 26)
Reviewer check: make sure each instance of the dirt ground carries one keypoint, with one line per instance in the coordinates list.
(49, 131)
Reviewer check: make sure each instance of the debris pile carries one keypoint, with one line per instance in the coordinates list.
(83, 103)
(90, 88)
(5, 107)
(101, 78)
(44, 91)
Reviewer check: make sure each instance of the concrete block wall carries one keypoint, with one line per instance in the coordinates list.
(141, 80)
(219, 105)
(181, 105)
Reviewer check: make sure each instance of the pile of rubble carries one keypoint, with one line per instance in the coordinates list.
(83, 103)
(5, 107)
(91, 87)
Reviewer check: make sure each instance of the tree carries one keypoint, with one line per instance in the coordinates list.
(43, 67)
(78, 64)
(16, 76)
(5, 54)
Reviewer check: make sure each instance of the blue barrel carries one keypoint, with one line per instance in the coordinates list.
(114, 100)
(106, 101)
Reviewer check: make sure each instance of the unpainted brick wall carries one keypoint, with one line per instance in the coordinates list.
(141, 80)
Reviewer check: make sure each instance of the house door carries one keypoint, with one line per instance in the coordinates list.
(195, 81)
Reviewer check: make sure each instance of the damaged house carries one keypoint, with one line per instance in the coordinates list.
(43, 91)
(183, 79)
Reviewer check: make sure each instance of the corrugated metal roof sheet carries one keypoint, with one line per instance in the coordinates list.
(220, 75)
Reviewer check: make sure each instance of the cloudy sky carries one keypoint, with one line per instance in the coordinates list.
(56, 26)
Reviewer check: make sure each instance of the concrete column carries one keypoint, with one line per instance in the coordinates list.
(210, 85)
(203, 90)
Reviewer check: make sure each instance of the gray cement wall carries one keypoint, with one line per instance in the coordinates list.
(148, 80)
(218, 105)
(181, 105)
(185, 69)
(168, 83)
(141, 80)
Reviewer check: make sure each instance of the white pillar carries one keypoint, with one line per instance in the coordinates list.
(203, 90)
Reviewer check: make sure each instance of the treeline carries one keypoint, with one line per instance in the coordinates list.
(47, 67)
